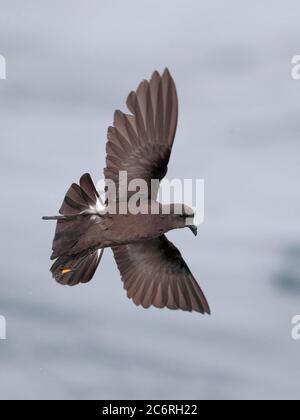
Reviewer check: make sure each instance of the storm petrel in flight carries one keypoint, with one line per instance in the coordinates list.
(152, 268)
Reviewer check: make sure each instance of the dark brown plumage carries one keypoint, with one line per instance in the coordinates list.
(152, 268)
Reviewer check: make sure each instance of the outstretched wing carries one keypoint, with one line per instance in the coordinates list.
(154, 273)
(141, 143)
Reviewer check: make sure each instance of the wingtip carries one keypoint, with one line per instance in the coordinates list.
(207, 310)
(166, 72)
(86, 175)
(155, 75)
(118, 114)
(131, 101)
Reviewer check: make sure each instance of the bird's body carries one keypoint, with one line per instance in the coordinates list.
(152, 269)
(110, 229)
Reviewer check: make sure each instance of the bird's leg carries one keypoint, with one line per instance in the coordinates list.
(73, 217)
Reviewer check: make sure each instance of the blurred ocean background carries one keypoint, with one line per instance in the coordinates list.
(70, 64)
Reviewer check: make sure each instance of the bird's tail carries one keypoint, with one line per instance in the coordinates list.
(75, 269)
(79, 211)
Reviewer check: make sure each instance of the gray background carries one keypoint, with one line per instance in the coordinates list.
(69, 65)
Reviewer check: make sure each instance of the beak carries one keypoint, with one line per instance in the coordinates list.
(194, 229)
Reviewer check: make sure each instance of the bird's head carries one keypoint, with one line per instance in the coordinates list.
(183, 216)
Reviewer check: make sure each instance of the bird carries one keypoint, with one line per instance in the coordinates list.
(152, 269)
